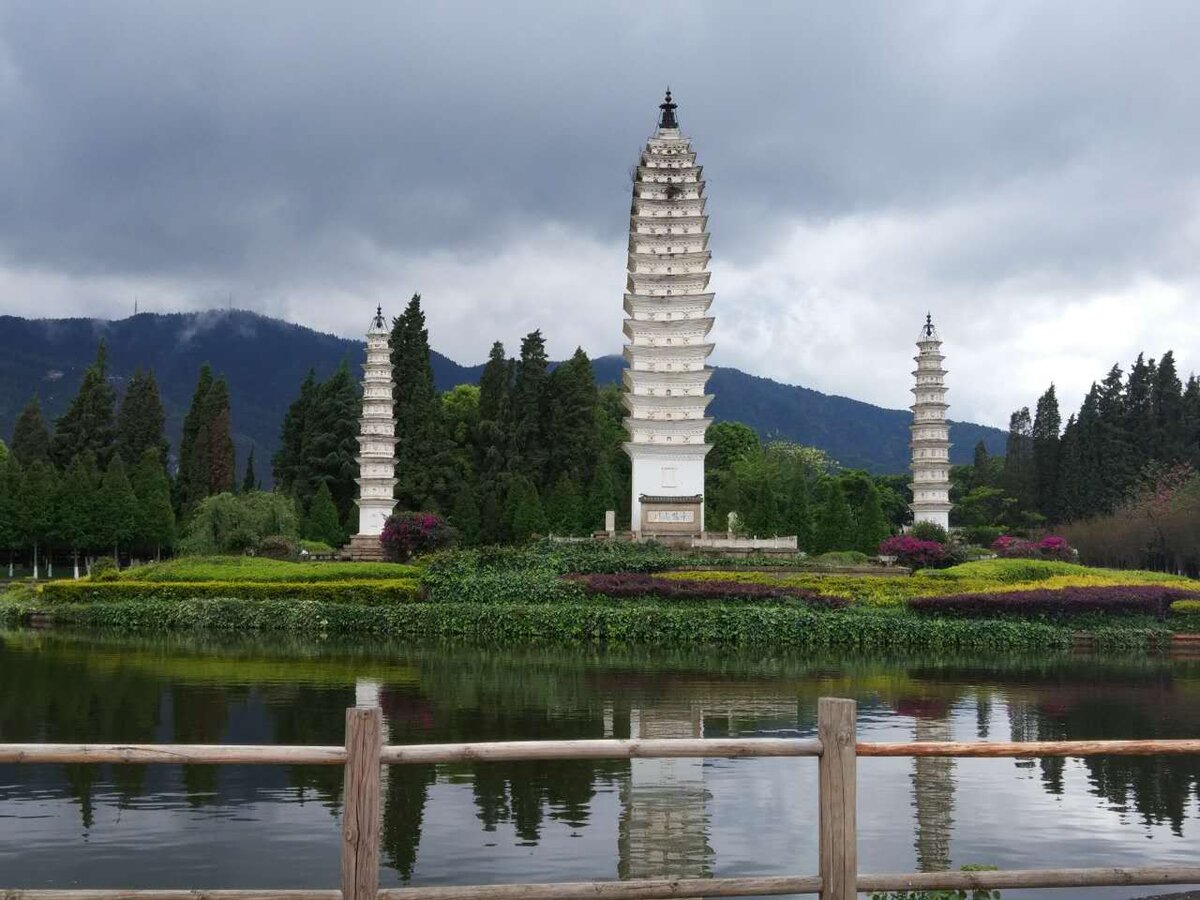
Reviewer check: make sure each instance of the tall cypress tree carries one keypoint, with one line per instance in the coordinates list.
(118, 508)
(1105, 442)
(35, 509)
(529, 397)
(191, 483)
(249, 479)
(493, 434)
(288, 463)
(981, 460)
(1047, 423)
(422, 450)
(74, 507)
(221, 464)
(1191, 421)
(323, 522)
(10, 528)
(1167, 400)
(572, 433)
(1018, 459)
(835, 524)
(1139, 409)
(31, 437)
(330, 441)
(154, 527)
(140, 420)
(89, 423)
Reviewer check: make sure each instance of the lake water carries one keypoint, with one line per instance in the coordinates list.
(263, 827)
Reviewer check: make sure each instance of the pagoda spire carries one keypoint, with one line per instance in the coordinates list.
(667, 118)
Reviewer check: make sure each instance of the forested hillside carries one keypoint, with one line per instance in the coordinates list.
(263, 361)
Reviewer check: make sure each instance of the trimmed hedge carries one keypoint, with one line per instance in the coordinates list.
(619, 586)
(255, 568)
(367, 591)
(1121, 600)
(641, 622)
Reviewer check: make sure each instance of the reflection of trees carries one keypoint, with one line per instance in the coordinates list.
(200, 714)
(403, 814)
(313, 716)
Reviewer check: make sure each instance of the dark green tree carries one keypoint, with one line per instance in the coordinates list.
(422, 463)
(465, 514)
(1047, 423)
(564, 507)
(731, 442)
(222, 467)
(118, 508)
(89, 423)
(250, 479)
(1191, 421)
(601, 496)
(75, 501)
(31, 437)
(10, 527)
(323, 522)
(982, 459)
(1170, 440)
(288, 464)
(35, 509)
(1139, 409)
(1019, 474)
(141, 420)
(834, 521)
(191, 482)
(495, 385)
(524, 511)
(870, 524)
(572, 431)
(529, 403)
(330, 442)
(155, 521)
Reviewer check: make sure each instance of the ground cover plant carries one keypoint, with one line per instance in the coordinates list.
(1119, 600)
(363, 590)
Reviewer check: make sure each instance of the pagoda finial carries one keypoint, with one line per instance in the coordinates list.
(667, 119)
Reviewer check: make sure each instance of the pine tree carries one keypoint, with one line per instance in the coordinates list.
(330, 441)
(799, 517)
(564, 507)
(530, 452)
(573, 439)
(35, 509)
(118, 508)
(323, 521)
(288, 464)
(870, 524)
(10, 528)
(465, 515)
(222, 467)
(141, 420)
(835, 525)
(495, 385)
(1167, 400)
(31, 437)
(155, 525)
(1139, 409)
(1105, 442)
(423, 449)
(250, 480)
(982, 460)
(191, 483)
(601, 497)
(1047, 422)
(89, 423)
(1191, 421)
(524, 511)
(74, 507)
(1018, 459)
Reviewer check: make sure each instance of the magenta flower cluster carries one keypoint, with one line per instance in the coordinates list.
(914, 552)
(409, 534)
(1049, 547)
(1152, 600)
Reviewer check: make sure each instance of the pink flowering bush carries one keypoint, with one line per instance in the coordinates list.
(409, 534)
(916, 553)
(1049, 547)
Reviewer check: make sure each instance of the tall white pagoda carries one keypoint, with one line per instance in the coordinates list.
(666, 329)
(376, 444)
(930, 432)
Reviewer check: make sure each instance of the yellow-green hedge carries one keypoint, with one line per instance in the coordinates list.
(397, 590)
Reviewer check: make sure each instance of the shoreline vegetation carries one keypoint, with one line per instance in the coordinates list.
(590, 593)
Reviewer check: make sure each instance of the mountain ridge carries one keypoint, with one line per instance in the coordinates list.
(265, 359)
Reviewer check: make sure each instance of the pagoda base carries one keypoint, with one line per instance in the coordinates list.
(364, 548)
(672, 479)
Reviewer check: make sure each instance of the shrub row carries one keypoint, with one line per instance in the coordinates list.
(1150, 600)
(640, 622)
(398, 590)
(624, 585)
(251, 568)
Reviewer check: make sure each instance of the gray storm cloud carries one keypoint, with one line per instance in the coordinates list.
(1027, 171)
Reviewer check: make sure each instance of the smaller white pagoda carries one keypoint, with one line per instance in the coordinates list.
(376, 444)
(930, 432)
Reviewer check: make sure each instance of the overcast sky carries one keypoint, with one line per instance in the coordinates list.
(1029, 172)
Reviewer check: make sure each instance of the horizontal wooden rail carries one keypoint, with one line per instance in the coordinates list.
(1027, 749)
(665, 748)
(174, 754)
(365, 753)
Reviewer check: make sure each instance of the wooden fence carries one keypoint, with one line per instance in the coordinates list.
(836, 748)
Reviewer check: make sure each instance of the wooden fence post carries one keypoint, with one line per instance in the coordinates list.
(361, 803)
(838, 793)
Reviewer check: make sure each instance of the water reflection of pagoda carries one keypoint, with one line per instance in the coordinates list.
(664, 825)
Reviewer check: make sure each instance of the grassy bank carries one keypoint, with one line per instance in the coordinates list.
(618, 593)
